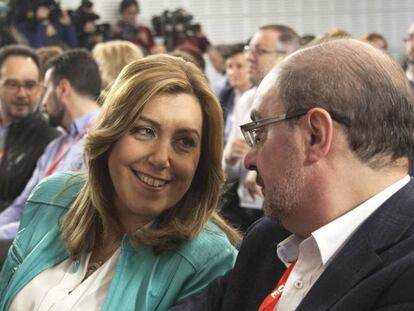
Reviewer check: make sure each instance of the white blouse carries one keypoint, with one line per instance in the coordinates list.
(60, 288)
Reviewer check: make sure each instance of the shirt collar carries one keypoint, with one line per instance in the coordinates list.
(331, 237)
(80, 124)
(409, 74)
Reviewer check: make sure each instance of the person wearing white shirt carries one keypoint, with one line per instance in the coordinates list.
(268, 46)
(331, 137)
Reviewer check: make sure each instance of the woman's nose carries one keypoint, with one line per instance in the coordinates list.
(160, 155)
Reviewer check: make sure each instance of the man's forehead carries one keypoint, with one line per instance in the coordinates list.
(265, 99)
(265, 37)
(14, 66)
(411, 29)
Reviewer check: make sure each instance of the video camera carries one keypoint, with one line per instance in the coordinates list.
(174, 26)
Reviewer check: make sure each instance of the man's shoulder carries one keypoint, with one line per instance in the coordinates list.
(265, 228)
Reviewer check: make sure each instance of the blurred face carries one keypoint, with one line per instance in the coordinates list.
(259, 58)
(42, 12)
(216, 59)
(236, 70)
(276, 159)
(52, 103)
(20, 88)
(409, 45)
(153, 166)
(378, 43)
(129, 15)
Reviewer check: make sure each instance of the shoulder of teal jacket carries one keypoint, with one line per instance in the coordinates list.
(210, 245)
(59, 189)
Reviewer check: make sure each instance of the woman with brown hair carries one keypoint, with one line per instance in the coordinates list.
(140, 230)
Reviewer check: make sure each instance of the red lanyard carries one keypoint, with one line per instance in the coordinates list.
(60, 155)
(62, 151)
(271, 300)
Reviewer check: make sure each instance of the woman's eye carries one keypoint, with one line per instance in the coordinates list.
(143, 131)
(186, 142)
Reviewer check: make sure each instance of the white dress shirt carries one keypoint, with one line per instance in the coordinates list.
(236, 171)
(316, 252)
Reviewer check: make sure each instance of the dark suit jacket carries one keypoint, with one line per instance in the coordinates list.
(373, 271)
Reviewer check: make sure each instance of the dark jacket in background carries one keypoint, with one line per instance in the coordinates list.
(25, 143)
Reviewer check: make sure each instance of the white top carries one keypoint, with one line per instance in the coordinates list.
(60, 288)
(236, 171)
(409, 74)
(316, 252)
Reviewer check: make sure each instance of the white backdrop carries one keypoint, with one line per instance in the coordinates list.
(228, 21)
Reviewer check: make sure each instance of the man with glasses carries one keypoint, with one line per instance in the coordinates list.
(409, 50)
(268, 46)
(331, 139)
(24, 130)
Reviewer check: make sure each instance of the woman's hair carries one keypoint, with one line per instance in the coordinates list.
(93, 213)
(114, 55)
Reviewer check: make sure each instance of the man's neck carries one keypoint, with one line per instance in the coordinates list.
(78, 108)
(346, 189)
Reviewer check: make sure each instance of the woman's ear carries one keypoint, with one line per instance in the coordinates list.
(319, 132)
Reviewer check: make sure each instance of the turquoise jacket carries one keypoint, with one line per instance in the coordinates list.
(141, 281)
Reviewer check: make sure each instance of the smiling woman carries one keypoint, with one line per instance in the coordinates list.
(142, 223)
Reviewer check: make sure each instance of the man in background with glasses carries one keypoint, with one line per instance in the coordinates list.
(330, 138)
(24, 131)
(409, 53)
(268, 46)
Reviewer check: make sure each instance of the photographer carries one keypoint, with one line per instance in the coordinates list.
(128, 28)
(87, 31)
(176, 29)
(46, 24)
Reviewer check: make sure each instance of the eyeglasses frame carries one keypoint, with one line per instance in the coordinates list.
(248, 128)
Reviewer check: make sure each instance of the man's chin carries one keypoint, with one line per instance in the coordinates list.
(20, 114)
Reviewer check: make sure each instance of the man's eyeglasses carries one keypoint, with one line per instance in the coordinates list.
(14, 85)
(253, 131)
(261, 51)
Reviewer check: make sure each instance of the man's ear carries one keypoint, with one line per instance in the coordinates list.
(319, 132)
(63, 89)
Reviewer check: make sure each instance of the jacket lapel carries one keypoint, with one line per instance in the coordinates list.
(362, 253)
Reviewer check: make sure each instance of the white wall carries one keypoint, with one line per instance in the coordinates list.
(228, 21)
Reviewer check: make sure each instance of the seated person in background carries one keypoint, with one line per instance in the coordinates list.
(47, 53)
(24, 130)
(376, 40)
(72, 84)
(215, 55)
(112, 57)
(190, 53)
(140, 230)
(129, 29)
(45, 29)
(238, 80)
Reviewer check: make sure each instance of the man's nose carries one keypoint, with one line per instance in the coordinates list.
(22, 91)
(250, 159)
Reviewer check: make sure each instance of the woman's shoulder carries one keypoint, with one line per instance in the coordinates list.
(210, 245)
(59, 189)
